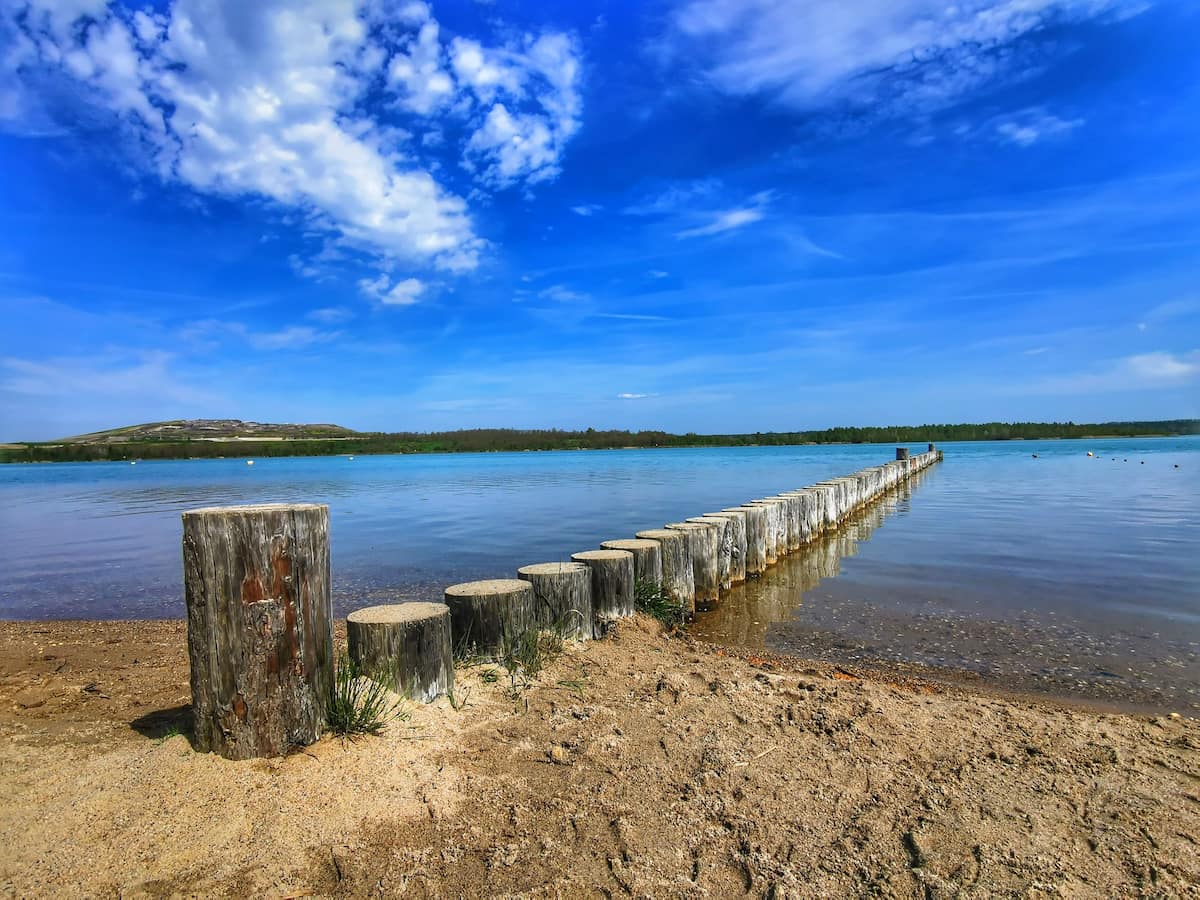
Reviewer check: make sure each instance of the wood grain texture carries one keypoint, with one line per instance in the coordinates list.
(480, 611)
(562, 597)
(703, 541)
(647, 558)
(675, 557)
(407, 645)
(612, 586)
(736, 536)
(260, 626)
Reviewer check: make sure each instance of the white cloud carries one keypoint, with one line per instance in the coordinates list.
(724, 221)
(808, 53)
(633, 396)
(659, 273)
(673, 198)
(560, 293)
(586, 209)
(1162, 366)
(277, 99)
(405, 292)
(1030, 126)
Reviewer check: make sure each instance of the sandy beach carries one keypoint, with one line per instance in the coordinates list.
(643, 765)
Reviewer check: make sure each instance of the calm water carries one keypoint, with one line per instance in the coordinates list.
(1074, 574)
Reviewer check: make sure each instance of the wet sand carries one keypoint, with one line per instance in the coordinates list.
(642, 765)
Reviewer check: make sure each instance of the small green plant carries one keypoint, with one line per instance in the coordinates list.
(458, 701)
(525, 652)
(649, 597)
(173, 731)
(360, 703)
(489, 676)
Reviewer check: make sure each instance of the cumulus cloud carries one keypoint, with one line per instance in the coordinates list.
(280, 100)
(922, 53)
(404, 292)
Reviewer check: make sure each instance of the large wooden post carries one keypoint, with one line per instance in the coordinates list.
(702, 539)
(901, 453)
(612, 586)
(647, 558)
(407, 644)
(675, 557)
(737, 543)
(481, 612)
(757, 529)
(562, 597)
(724, 548)
(260, 626)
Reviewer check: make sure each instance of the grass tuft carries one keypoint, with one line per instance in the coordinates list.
(360, 704)
(648, 597)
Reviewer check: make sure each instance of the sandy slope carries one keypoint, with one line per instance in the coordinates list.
(662, 768)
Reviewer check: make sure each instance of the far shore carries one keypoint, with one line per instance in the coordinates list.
(641, 765)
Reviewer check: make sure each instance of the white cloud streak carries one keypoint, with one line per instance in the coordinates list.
(273, 100)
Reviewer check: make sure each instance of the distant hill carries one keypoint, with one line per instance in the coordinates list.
(209, 430)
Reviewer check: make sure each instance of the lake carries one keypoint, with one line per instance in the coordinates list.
(1065, 573)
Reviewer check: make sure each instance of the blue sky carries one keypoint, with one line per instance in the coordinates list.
(707, 215)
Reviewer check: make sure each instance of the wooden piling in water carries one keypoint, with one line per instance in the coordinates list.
(736, 536)
(405, 644)
(703, 540)
(675, 557)
(260, 626)
(757, 529)
(724, 538)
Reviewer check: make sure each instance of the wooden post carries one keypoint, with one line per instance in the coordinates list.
(932, 448)
(737, 542)
(756, 540)
(562, 597)
(612, 586)
(703, 541)
(901, 453)
(260, 626)
(481, 611)
(647, 558)
(776, 533)
(406, 643)
(724, 548)
(675, 556)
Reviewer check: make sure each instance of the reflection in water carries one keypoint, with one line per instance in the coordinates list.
(747, 612)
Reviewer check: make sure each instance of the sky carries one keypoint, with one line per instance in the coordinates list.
(699, 215)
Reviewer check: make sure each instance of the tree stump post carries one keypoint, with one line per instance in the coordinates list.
(562, 597)
(724, 548)
(776, 529)
(260, 626)
(756, 539)
(901, 453)
(481, 612)
(647, 559)
(675, 557)
(405, 644)
(612, 586)
(737, 543)
(703, 540)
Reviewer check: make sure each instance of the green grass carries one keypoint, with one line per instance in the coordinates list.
(648, 597)
(360, 703)
(525, 652)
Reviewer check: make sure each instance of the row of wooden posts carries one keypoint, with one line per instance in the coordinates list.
(260, 617)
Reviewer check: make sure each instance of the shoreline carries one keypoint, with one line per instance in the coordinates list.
(642, 764)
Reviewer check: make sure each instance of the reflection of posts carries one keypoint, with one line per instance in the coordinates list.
(260, 626)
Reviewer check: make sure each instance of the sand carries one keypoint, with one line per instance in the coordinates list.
(642, 765)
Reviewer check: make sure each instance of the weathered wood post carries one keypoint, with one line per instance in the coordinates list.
(737, 542)
(675, 557)
(776, 532)
(612, 586)
(756, 539)
(647, 559)
(260, 626)
(481, 612)
(562, 597)
(932, 448)
(724, 548)
(702, 539)
(408, 644)
(901, 453)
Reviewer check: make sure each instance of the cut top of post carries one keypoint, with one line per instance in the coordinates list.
(551, 568)
(629, 544)
(395, 613)
(488, 586)
(601, 554)
(660, 534)
(252, 508)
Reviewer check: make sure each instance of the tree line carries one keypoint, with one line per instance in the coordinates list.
(479, 440)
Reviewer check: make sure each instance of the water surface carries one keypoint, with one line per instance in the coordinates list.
(1069, 568)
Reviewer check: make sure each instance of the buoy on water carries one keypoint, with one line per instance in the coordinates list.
(249, 462)
(1090, 453)
(1035, 456)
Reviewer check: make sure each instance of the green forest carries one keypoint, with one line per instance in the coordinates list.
(505, 439)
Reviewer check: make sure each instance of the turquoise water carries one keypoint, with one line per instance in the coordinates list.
(991, 537)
